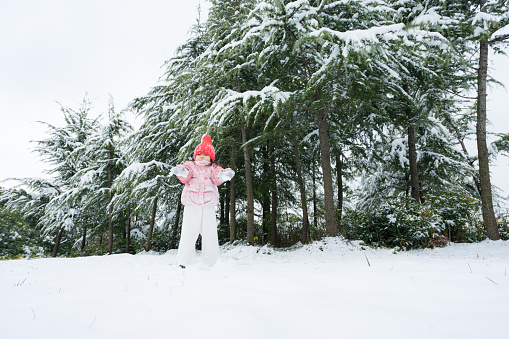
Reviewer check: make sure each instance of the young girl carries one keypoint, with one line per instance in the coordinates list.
(200, 197)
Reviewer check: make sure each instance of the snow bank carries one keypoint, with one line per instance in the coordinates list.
(330, 288)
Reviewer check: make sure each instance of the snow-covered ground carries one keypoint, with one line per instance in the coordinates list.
(329, 289)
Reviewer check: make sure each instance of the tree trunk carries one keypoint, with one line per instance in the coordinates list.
(412, 151)
(57, 242)
(110, 226)
(339, 174)
(315, 204)
(233, 225)
(249, 187)
(84, 239)
(331, 227)
(266, 196)
(152, 222)
(265, 217)
(482, 149)
(274, 235)
(124, 233)
(302, 189)
(110, 198)
(175, 225)
(128, 233)
(412, 158)
(221, 208)
(227, 206)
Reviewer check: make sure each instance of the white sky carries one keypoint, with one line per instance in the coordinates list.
(60, 50)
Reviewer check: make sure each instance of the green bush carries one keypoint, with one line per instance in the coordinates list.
(503, 226)
(406, 224)
(458, 216)
(18, 238)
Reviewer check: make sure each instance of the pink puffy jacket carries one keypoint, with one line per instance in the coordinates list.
(201, 184)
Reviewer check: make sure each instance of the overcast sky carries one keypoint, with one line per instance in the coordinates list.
(61, 50)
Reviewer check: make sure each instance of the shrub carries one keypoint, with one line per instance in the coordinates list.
(503, 226)
(407, 224)
(18, 238)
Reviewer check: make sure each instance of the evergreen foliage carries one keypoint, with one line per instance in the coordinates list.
(337, 116)
(18, 237)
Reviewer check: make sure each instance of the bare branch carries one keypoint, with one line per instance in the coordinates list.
(456, 94)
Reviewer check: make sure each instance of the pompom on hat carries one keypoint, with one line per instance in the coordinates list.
(205, 147)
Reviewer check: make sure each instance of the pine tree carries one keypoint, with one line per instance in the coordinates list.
(65, 151)
(475, 26)
(93, 185)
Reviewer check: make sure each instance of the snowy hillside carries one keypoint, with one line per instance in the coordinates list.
(329, 289)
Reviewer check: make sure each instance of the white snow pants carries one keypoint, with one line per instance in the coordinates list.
(198, 220)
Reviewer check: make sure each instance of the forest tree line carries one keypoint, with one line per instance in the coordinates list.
(339, 117)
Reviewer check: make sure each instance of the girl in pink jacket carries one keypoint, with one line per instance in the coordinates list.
(200, 197)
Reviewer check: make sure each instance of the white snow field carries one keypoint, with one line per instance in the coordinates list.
(323, 290)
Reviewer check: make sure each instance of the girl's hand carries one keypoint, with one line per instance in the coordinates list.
(179, 172)
(226, 175)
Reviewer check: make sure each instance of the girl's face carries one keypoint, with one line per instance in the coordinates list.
(200, 157)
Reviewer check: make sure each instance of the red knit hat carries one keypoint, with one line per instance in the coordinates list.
(205, 147)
